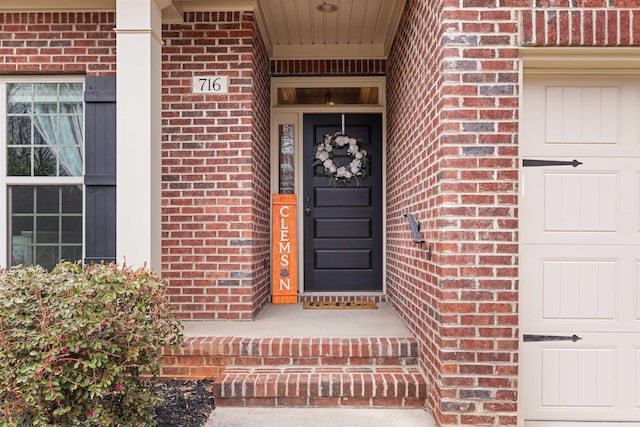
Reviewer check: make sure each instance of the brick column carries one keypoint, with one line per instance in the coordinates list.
(216, 167)
(456, 120)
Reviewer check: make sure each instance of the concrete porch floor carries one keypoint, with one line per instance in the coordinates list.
(292, 320)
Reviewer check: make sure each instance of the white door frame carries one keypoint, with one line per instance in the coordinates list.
(293, 114)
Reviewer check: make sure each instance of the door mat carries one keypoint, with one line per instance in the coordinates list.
(340, 305)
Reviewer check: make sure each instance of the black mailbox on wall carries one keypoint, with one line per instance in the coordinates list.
(415, 232)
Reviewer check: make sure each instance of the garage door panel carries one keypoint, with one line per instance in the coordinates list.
(583, 381)
(635, 290)
(579, 289)
(595, 203)
(582, 114)
(578, 377)
(584, 288)
(594, 114)
(637, 373)
(573, 424)
(634, 201)
(579, 202)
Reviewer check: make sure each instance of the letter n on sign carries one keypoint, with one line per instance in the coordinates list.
(284, 253)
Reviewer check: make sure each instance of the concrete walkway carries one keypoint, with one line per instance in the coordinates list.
(318, 417)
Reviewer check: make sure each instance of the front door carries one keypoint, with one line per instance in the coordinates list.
(342, 221)
(580, 252)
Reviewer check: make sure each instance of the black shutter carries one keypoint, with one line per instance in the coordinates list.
(100, 169)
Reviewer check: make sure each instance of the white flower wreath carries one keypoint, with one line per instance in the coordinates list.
(341, 174)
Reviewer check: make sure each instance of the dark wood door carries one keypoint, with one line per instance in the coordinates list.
(343, 222)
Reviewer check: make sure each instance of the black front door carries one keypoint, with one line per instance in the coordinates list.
(343, 221)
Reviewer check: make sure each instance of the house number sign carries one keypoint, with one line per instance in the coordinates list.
(215, 85)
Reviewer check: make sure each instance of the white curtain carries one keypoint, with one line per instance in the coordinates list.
(63, 129)
(57, 116)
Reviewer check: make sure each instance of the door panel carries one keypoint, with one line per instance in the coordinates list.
(582, 288)
(557, 126)
(580, 253)
(343, 197)
(343, 222)
(355, 258)
(594, 203)
(343, 228)
(583, 381)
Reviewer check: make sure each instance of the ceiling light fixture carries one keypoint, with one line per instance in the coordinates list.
(327, 7)
(327, 98)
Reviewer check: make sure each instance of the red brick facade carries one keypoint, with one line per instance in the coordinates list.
(581, 23)
(452, 152)
(415, 99)
(216, 168)
(80, 43)
(261, 173)
(453, 108)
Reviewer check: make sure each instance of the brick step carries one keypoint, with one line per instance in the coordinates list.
(205, 357)
(314, 386)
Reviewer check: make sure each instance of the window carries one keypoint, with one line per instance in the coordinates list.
(42, 179)
(287, 134)
(328, 96)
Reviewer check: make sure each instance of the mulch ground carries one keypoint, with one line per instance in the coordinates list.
(186, 403)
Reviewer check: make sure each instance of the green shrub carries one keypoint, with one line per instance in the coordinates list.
(81, 345)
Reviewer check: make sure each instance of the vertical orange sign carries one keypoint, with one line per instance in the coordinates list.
(284, 275)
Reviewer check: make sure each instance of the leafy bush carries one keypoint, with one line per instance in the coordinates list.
(81, 345)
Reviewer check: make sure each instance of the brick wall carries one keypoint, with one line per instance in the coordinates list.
(478, 215)
(462, 184)
(261, 173)
(57, 43)
(215, 168)
(215, 149)
(452, 108)
(414, 127)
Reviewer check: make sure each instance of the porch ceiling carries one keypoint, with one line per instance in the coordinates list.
(358, 29)
(292, 29)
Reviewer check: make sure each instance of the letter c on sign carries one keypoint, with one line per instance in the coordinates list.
(284, 211)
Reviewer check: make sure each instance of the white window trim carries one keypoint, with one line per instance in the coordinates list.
(6, 181)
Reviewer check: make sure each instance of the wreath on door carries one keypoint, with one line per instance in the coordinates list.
(341, 174)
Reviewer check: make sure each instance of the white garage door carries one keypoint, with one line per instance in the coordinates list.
(580, 251)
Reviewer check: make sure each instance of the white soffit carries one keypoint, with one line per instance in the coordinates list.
(296, 29)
